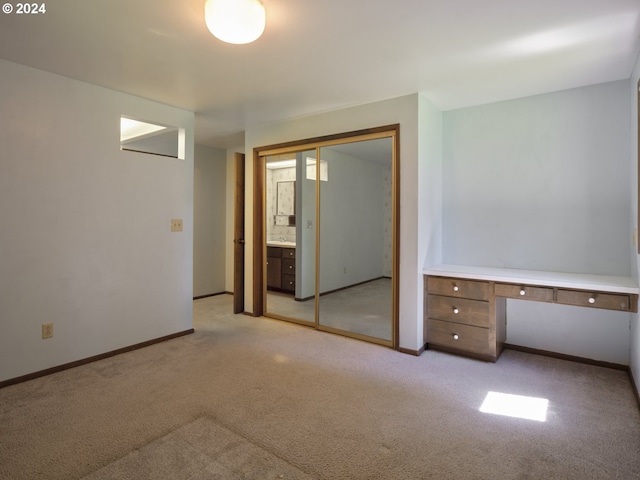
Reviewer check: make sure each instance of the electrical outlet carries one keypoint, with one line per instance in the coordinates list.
(47, 330)
(176, 224)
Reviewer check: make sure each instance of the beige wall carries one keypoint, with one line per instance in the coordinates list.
(89, 247)
(209, 220)
(541, 183)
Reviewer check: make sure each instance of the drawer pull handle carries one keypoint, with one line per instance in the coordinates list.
(522, 292)
(592, 300)
(455, 336)
(455, 288)
(290, 267)
(455, 310)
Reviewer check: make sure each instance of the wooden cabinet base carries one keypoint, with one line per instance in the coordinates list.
(281, 269)
(463, 317)
(463, 353)
(467, 316)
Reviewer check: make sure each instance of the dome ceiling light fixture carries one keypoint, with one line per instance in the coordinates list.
(235, 21)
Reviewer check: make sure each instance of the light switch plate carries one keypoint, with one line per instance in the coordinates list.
(176, 224)
(47, 330)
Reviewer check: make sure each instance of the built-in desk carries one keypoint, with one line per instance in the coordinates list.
(465, 306)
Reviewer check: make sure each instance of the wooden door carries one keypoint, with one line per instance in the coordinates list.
(238, 235)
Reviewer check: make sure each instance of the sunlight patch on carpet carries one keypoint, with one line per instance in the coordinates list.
(519, 406)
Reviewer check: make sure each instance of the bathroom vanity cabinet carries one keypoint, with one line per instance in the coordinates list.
(281, 269)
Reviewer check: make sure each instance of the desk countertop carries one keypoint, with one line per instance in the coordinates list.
(603, 283)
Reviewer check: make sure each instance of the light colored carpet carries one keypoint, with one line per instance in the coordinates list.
(328, 406)
(201, 449)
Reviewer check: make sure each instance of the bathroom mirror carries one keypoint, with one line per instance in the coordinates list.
(286, 198)
(285, 203)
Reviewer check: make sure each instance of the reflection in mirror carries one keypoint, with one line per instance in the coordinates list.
(348, 285)
(291, 249)
(312, 169)
(356, 238)
(286, 198)
(285, 203)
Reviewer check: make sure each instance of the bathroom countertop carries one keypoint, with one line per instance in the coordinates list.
(280, 243)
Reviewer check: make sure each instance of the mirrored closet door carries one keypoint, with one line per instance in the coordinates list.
(329, 235)
(356, 238)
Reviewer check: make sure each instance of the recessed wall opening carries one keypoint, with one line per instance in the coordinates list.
(152, 138)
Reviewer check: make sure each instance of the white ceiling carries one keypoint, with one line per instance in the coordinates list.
(320, 55)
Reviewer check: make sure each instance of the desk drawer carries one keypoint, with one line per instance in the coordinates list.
(461, 337)
(524, 292)
(455, 287)
(459, 310)
(609, 301)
